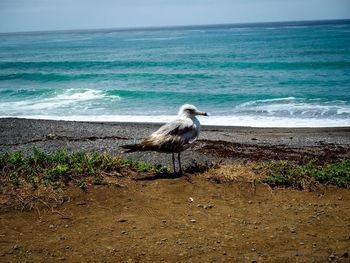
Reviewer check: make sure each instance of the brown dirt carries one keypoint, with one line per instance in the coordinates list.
(175, 220)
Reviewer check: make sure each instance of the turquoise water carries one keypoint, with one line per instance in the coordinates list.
(271, 75)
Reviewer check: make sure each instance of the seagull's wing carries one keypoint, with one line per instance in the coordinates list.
(174, 136)
(183, 128)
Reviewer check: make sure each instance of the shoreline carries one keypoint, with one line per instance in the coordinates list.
(215, 143)
(203, 126)
(217, 121)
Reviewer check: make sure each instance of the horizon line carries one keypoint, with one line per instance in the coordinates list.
(186, 27)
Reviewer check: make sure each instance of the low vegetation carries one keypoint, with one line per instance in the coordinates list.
(307, 176)
(61, 168)
(40, 179)
(286, 174)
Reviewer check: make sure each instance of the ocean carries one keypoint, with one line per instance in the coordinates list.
(262, 75)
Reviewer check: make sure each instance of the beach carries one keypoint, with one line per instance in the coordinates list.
(184, 219)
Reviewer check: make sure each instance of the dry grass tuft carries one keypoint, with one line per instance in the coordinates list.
(249, 172)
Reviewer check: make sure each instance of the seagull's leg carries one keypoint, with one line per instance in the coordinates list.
(173, 156)
(179, 159)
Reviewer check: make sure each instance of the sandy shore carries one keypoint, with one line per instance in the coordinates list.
(227, 144)
(174, 219)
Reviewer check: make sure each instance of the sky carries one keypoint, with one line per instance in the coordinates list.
(42, 15)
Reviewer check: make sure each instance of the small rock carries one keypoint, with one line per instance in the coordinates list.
(65, 226)
(193, 220)
(250, 202)
(208, 206)
(80, 203)
(124, 232)
(345, 255)
(164, 221)
(332, 256)
(179, 242)
(122, 220)
(15, 247)
(50, 136)
(51, 226)
(191, 199)
(340, 198)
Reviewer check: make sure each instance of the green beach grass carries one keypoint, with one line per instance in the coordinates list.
(61, 167)
(307, 176)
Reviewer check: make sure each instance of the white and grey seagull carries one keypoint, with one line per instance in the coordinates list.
(173, 137)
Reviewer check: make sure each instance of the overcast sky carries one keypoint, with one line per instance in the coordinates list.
(34, 15)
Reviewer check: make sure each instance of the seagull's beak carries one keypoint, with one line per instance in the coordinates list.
(202, 113)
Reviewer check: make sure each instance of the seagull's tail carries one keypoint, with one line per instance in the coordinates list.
(133, 148)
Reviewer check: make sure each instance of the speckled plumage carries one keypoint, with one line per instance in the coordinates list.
(173, 137)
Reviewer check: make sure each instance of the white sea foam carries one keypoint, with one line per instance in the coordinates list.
(293, 107)
(61, 100)
(79, 95)
(277, 112)
(266, 101)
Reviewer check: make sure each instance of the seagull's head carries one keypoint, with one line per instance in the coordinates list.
(190, 111)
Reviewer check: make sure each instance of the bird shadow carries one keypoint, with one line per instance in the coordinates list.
(193, 168)
(159, 176)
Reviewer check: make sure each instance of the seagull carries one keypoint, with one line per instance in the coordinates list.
(173, 137)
